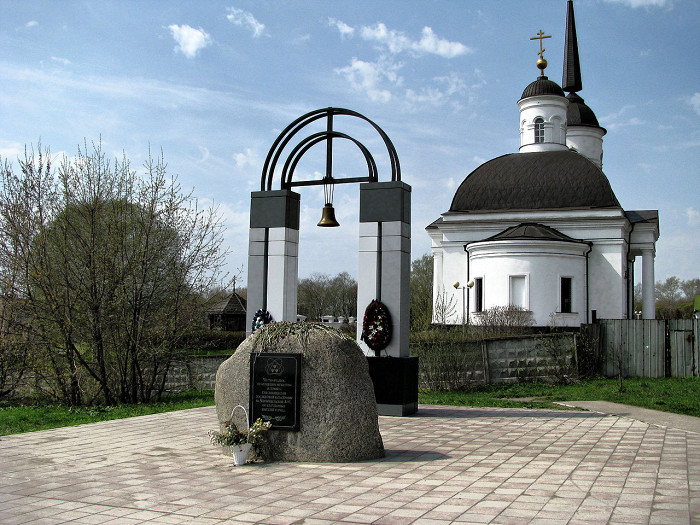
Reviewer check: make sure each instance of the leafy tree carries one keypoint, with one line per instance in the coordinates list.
(690, 289)
(674, 298)
(668, 291)
(421, 292)
(110, 268)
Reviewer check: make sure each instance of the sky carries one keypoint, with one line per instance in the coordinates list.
(213, 84)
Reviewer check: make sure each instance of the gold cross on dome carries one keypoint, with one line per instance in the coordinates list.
(541, 36)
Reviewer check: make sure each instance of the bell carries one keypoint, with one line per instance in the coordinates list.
(328, 217)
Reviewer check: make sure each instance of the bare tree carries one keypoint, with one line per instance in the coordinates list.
(444, 307)
(319, 295)
(110, 267)
(421, 293)
(504, 320)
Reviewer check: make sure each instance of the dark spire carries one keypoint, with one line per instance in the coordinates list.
(571, 79)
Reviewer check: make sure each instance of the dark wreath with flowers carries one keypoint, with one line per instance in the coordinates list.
(376, 326)
(261, 317)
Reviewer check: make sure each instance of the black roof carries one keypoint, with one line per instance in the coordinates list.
(579, 114)
(531, 231)
(539, 180)
(635, 216)
(542, 86)
(571, 77)
(235, 304)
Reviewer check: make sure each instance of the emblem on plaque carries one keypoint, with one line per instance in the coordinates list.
(274, 367)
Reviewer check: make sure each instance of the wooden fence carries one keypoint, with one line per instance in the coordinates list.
(645, 347)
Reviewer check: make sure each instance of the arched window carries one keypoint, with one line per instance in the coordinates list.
(539, 130)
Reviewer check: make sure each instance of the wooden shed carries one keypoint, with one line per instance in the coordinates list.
(229, 314)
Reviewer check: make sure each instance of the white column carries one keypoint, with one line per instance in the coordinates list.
(282, 273)
(396, 278)
(367, 276)
(630, 288)
(256, 274)
(438, 284)
(648, 298)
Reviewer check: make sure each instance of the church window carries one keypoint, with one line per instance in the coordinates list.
(479, 294)
(518, 291)
(539, 130)
(565, 295)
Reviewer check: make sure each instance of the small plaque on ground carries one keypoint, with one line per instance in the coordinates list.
(275, 389)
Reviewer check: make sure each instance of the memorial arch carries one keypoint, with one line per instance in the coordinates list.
(384, 238)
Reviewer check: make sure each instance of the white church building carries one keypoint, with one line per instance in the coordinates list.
(542, 228)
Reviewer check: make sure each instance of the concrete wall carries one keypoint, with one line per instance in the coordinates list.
(540, 357)
(545, 357)
(196, 372)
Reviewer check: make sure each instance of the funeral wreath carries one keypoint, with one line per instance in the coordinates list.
(376, 326)
(261, 317)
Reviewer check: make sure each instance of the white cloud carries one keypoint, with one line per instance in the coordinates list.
(379, 78)
(693, 216)
(189, 40)
(428, 95)
(246, 20)
(430, 43)
(31, 23)
(695, 102)
(205, 153)
(247, 158)
(60, 60)
(620, 119)
(445, 87)
(642, 3)
(10, 151)
(454, 83)
(369, 76)
(397, 42)
(344, 29)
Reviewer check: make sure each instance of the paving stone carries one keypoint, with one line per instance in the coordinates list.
(443, 465)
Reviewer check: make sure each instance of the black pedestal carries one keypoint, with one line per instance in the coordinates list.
(395, 382)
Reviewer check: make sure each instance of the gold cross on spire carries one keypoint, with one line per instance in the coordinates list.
(541, 36)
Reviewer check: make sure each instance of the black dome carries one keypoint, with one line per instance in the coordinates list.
(579, 114)
(530, 181)
(542, 86)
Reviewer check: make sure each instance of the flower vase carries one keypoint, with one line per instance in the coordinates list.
(240, 453)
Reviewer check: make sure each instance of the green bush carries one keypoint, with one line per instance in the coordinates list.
(447, 360)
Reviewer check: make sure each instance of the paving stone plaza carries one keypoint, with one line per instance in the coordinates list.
(442, 465)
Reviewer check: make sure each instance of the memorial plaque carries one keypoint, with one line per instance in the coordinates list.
(275, 389)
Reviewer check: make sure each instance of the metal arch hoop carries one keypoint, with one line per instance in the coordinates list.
(292, 129)
(306, 144)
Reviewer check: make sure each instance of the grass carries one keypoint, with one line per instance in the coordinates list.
(28, 418)
(676, 395)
